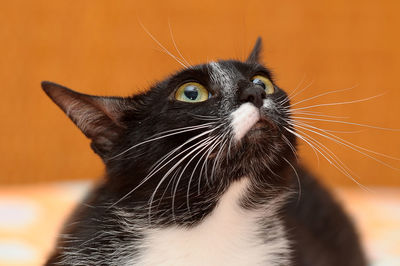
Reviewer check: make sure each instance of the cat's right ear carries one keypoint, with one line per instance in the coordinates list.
(254, 56)
(99, 118)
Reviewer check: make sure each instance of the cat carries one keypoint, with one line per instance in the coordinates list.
(201, 170)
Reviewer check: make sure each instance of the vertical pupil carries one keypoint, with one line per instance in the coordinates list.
(191, 92)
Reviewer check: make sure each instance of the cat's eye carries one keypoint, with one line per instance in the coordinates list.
(192, 92)
(264, 82)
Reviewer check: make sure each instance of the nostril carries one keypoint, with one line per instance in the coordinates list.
(263, 95)
(254, 95)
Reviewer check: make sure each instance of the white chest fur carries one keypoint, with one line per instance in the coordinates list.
(230, 235)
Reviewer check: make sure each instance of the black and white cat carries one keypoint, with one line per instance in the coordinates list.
(201, 170)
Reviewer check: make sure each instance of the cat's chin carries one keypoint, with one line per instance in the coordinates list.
(261, 131)
(259, 137)
(259, 147)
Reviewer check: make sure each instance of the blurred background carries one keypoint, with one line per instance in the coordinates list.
(99, 47)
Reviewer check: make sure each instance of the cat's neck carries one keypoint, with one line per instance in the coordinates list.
(229, 235)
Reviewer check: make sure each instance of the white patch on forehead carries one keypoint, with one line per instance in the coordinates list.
(221, 76)
(243, 119)
(268, 103)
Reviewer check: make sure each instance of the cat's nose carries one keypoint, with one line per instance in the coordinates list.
(254, 95)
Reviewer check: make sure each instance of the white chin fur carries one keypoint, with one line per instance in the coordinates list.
(243, 119)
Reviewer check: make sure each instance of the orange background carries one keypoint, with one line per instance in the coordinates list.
(99, 47)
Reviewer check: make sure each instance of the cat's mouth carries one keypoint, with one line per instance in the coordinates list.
(262, 132)
(260, 128)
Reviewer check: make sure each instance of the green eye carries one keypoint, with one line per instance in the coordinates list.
(192, 92)
(264, 82)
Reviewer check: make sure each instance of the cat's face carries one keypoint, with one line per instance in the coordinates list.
(233, 104)
(210, 123)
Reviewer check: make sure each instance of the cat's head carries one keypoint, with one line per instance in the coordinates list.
(220, 119)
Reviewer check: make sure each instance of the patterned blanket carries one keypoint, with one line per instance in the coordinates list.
(31, 216)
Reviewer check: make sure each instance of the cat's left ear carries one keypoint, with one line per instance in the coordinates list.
(99, 118)
(254, 56)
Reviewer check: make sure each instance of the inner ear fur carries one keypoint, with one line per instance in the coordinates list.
(99, 118)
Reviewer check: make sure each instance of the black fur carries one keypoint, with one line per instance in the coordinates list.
(320, 231)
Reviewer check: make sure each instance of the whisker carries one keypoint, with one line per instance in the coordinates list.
(291, 97)
(181, 130)
(333, 159)
(205, 165)
(352, 146)
(194, 170)
(323, 94)
(176, 47)
(162, 159)
(305, 140)
(297, 176)
(162, 46)
(339, 103)
(346, 122)
(205, 117)
(159, 168)
(163, 194)
(204, 142)
(285, 139)
(206, 156)
(288, 97)
(217, 157)
(332, 131)
(180, 176)
(314, 114)
(224, 136)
